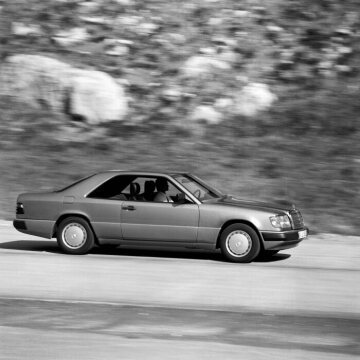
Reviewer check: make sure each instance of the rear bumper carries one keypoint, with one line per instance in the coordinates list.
(42, 228)
(284, 239)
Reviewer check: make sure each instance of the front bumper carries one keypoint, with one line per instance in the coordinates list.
(275, 240)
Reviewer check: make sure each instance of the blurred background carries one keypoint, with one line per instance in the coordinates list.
(259, 98)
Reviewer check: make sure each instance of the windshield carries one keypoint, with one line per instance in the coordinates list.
(197, 187)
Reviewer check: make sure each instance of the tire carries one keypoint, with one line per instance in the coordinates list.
(239, 243)
(75, 236)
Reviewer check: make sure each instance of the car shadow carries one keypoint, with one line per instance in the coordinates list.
(31, 245)
(51, 246)
(272, 258)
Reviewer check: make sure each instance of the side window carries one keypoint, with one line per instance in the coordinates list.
(173, 191)
(154, 189)
(141, 189)
(112, 188)
(136, 188)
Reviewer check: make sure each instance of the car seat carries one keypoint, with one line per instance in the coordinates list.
(149, 190)
(134, 191)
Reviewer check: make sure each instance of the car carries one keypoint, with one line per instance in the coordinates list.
(167, 209)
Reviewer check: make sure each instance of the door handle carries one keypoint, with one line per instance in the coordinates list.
(128, 207)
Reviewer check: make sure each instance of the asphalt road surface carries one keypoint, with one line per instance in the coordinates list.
(156, 304)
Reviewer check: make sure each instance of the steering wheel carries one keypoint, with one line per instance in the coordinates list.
(197, 193)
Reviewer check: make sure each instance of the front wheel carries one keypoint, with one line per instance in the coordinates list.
(75, 236)
(239, 243)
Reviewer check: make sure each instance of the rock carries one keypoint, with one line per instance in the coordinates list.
(129, 20)
(344, 50)
(177, 38)
(37, 80)
(325, 65)
(207, 51)
(215, 21)
(285, 65)
(259, 10)
(344, 32)
(97, 20)
(71, 37)
(21, 29)
(147, 28)
(241, 13)
(117, 47)
(113, 42)
(206, 114)
(125, 2)
(228, 56)
(223, 103)
(221, 40)
(274, 29)
(253, 98)
(330, 54)
(41, 81)
(172, 94)
(200, 64)
(96, 97)
(118, 50)
(345, 69)
(89, 6)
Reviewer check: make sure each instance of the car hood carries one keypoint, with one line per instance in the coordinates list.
(280, 205)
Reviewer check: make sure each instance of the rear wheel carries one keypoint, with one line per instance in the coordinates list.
(75, 236)
(239, 243)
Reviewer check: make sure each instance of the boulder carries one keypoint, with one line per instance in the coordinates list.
(96, 97)
(37, 80)
(253, 98)
(40, 81)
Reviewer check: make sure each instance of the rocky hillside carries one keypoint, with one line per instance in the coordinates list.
(259, 96)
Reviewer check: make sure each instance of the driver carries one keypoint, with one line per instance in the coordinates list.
(161, 187)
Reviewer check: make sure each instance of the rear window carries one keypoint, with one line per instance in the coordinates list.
(75, 183)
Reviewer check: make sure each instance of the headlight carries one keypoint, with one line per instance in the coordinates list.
(280, 221)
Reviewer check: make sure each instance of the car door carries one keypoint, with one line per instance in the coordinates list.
(160, 221)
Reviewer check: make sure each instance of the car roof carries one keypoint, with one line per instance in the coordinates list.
(146, 172)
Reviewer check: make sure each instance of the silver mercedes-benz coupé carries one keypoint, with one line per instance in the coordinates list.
(158, 209)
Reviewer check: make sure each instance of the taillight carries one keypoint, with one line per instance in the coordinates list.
(19, 208)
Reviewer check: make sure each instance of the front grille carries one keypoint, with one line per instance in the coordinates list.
(296, 219)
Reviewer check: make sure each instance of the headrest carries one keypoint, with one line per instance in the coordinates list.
(134, 188)
(149, 186)
(161, 184)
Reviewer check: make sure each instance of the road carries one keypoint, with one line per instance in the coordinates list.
(131, 304)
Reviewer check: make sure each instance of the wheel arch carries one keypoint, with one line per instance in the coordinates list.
(239, 221)
(67, 215)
